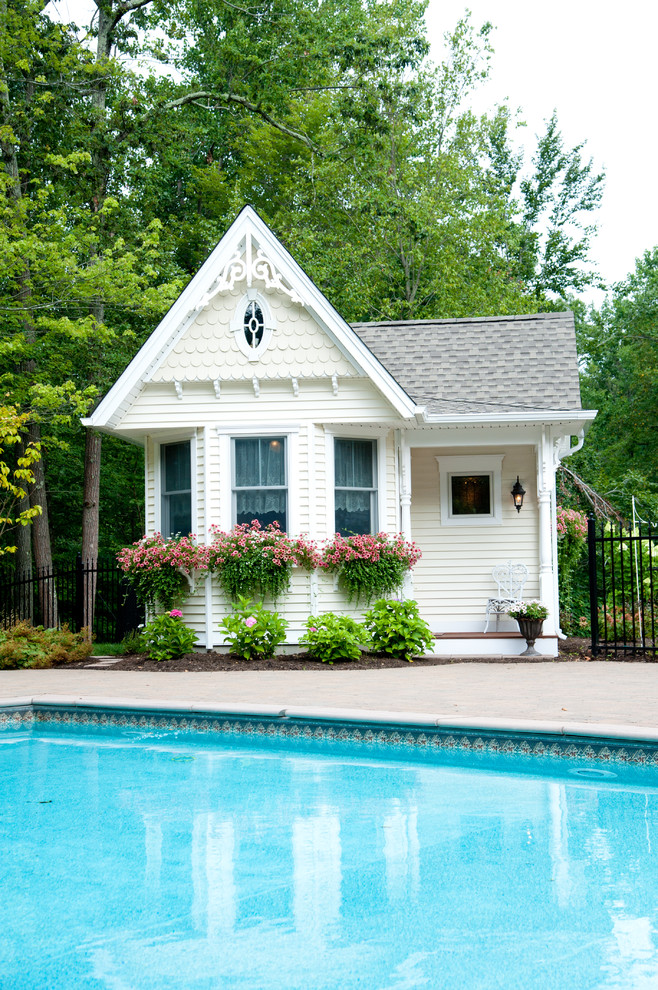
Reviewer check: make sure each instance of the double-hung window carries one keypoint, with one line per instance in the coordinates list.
(355, 474)
(176, 488)
(260, 489)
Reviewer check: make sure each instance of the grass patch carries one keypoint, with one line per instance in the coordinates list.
(107, 650)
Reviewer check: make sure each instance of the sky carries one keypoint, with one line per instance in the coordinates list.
(595, 62)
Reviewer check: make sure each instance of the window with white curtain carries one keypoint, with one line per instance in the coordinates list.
(176, 488)
(355, 479)
(260, 488)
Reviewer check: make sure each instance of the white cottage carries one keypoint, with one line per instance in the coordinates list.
(253, 398)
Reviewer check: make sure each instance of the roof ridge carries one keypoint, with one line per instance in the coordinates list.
(464, 319)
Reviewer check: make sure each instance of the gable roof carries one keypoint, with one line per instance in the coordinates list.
(279, 270)
(504, 364)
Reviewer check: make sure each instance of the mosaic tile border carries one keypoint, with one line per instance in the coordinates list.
(568, 748)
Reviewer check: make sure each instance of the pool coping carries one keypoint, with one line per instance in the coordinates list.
(305, 713)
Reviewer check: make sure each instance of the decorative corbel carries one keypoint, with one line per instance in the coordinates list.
(295, 387)
(256, 384)
(179, 389)
(217, 385)
(334, 384)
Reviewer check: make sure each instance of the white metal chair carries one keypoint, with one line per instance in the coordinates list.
(510, 578)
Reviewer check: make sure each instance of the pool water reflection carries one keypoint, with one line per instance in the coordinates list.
(140, 860)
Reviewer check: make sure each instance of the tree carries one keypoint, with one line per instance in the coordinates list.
(14, 480)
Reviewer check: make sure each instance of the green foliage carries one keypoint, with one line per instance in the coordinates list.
(24, 645)
(167, 637)
(397, 629)
(369, 565)
(14, 481)
(330, 637)
(256, 562)
(571, 541)
(251, 631)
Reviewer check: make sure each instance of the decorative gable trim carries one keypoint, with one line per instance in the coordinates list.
(248, 250)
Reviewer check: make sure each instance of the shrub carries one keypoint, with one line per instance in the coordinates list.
(24, 645)
(251, 631)
(167, 637)
(332, 637)
(369, 566)
(253, 562)
(571, 540)
(157, 567)
(397, 629)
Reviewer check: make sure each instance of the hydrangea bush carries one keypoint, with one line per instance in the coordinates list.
(253, 632)
(397, 629)
(155, 566)
(167, 637)
(257, 563)
(369, 566)
(331, 637)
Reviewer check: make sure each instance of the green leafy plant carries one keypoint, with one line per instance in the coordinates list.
(167, 637)
(571, 540)
(254, 562)
(24, 645)
(251, 631)
(157, 568)
(330, 637)
(397, 629)
(369, 566)
(532, 609)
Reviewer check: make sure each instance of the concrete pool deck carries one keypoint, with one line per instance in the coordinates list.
(562, 697)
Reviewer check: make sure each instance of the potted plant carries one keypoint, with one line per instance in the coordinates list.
(530, 617)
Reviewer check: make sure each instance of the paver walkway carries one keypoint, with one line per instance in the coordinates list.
(597, 692)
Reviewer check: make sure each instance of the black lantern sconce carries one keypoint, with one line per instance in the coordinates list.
(517, 494)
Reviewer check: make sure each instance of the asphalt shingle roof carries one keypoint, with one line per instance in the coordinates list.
(489, 364)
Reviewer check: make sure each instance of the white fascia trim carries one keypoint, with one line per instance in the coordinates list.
(549, 417)
(183, 311)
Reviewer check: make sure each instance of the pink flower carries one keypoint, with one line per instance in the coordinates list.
(176, 613)
(250, 622)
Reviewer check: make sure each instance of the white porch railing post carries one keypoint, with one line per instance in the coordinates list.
(547, 578)
(405, 506)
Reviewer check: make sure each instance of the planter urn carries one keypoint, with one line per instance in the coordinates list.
(530, 630)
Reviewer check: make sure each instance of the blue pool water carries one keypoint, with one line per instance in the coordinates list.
(154, 860)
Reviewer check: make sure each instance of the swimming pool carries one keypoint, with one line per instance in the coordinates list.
(141, 851)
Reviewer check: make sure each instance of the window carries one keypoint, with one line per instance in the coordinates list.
(254, 324)
(260, 486)
(470, 489)
(355, 486)
(470, 494)
(176, 487)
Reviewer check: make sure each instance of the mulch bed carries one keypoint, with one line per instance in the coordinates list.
(571, 650)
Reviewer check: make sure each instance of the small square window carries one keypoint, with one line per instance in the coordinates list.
(176, 485)
(470, 494)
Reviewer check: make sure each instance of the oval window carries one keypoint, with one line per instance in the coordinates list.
(254, 325)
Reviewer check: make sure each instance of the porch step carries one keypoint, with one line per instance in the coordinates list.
(488, 635)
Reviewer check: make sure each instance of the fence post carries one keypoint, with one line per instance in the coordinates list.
(79, 593)
(593, 589)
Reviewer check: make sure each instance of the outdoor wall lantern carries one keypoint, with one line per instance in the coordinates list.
(517, 494)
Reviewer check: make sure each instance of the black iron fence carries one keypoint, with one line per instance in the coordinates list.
(623, 587)
(86, 593)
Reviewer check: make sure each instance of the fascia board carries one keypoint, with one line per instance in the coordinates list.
(549, 417)
(181, 311)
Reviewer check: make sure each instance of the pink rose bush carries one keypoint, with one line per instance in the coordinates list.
(571, 522)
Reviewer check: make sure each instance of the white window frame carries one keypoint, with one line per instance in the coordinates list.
(226, 435)
(471, 464)
(285, 487)
(237, 325)
(157, 477)
(379, 436)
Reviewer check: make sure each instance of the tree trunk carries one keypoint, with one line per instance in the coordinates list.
(43, 557)
(90, 518)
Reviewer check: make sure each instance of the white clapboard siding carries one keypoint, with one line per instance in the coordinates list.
(157, 407)
(453, 580)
